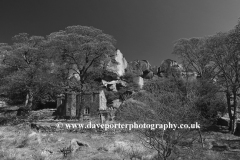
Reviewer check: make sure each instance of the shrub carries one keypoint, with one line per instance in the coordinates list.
(110, 96)
(209, 101)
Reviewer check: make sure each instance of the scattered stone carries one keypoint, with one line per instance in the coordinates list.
(46, 152)
(102, 149)
(220, 148)
(76, 145)
(32, 134)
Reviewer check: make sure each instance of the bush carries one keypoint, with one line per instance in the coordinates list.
(110, 96)
(210, 101)
(128, 77)
(164, 101)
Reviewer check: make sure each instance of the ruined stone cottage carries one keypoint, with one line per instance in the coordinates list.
(74, 104)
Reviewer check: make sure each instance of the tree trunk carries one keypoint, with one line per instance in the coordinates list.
(159, 153)
(29, 100)
(26, 101)
(200, 134)
(229, 111)
(234, 124)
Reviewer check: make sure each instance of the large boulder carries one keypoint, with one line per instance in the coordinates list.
(168, 63)
(76, 145)
(148, 74)
(138, 67)
(117, 64)
(155, 69)
(169, 67)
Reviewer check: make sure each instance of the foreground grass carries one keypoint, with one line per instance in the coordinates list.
(20, 142)
(24, 143)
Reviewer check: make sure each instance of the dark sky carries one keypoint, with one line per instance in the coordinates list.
(144, 29)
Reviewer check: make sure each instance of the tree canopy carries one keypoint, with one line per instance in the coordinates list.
(79, 50)
(39, 68)
(216, 59)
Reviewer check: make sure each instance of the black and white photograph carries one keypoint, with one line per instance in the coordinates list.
(119, 79)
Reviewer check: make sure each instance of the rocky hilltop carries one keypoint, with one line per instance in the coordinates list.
(143, 68)
(140, 72)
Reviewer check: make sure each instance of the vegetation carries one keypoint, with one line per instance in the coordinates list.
(162, 102)
(36, 69)
(216, 59)
(26, 72)
(79, 50)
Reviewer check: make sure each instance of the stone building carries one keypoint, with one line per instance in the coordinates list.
(76, 105)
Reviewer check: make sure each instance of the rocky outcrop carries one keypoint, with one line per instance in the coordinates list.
(155, 70)
(148, 74)
(145, 70)
(167, 64)
(138, 67)
(118, 64)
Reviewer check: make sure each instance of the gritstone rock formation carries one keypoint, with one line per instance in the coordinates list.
(118, 64)
(138, 67)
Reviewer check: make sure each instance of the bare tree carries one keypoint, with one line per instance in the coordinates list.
(163, 103)
(225, 55)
